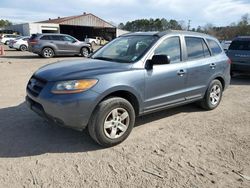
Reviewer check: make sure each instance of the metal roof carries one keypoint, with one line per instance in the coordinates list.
(84, 19)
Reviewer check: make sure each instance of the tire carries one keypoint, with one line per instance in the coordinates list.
(118, 115)
(23, 48)
(6, 42)
(213, 95)
(48, 52)
(84, 52)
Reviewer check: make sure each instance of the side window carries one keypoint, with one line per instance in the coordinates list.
(214, 46)
(45, 37)
(69, 39)
(171, 47)
(196, 48)
(56, 37)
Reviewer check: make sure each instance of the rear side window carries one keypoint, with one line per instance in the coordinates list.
(196, 48)
(46, 37)
(240, 45)
(171, 47)
(56, 37)
(214, 46)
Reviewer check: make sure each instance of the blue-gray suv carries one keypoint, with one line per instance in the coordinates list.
(133, 75)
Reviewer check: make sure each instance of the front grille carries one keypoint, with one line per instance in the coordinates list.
(35, 85)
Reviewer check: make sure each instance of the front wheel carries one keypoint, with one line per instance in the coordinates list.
(112, 121)
(213, 95)
(84, 52)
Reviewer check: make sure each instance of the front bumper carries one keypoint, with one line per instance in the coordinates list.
(70, 110)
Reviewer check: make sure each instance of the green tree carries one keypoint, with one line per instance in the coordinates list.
(4, 23)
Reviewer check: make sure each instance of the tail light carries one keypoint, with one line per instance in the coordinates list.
(33, 41)
(229, 61)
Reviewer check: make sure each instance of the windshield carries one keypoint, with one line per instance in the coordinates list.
(127, 49)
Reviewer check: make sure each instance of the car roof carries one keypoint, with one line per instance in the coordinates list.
(168, 32)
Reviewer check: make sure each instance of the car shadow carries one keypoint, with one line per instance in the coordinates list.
(240, 79)
(31, 56)
(23, 133)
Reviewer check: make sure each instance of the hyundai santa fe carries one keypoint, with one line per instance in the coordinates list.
(133, 75)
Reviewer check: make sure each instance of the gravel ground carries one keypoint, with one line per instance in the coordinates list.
(180, 147)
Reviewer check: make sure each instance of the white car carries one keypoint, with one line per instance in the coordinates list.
(20, 43)
(5, 38)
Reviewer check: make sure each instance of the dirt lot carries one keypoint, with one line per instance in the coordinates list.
(181, 147)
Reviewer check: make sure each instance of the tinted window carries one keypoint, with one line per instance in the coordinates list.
(69, 39)
(46, 37)
(196, 48)
(240, 45)
(56, 37)
(214, 46)
(170, 47)
(33, 36)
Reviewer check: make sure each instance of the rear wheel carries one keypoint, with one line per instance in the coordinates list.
(48, 52)
(85, 52)
(112, 121)
(213, 95)
(23, 47)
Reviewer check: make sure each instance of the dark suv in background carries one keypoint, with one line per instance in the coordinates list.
(239, 53)
(133, 75)
(50, 45)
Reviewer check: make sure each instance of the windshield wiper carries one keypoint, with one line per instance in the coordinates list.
(110, 59)
(103, 58)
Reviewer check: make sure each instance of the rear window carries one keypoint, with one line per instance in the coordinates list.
(196, 48)
(240, 45)
(214, 46)
(33, 36)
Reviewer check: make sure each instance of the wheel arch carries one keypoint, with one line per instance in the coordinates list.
(221, 79)
(125, 94)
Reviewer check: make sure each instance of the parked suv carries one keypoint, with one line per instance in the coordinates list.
(133, 75)
(239, 53)
(49, 45)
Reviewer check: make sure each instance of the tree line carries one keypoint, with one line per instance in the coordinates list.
(4, 23)
(242, 27)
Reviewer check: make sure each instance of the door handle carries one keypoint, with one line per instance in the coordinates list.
(212, 65)
(181, 72)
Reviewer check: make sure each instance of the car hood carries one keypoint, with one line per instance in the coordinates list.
(79, 69)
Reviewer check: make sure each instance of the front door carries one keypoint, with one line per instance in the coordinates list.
(166, 84)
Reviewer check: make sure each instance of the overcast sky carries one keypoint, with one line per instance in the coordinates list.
(200, 12)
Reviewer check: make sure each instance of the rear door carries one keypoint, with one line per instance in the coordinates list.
(57, 40)
(200, 66)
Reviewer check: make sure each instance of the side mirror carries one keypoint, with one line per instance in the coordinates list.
(157, 60)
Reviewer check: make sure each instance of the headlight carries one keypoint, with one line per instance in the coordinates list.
(73, 86)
